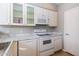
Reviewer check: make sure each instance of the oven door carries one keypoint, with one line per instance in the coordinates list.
(46, 44)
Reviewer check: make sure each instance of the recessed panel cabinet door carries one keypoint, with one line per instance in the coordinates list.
(4, 13)
(57, 44)
(27, 48)
(52, 18)
(71, 31)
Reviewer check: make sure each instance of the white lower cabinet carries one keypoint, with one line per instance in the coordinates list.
(47, 53)
(27, 48)
(57, 43)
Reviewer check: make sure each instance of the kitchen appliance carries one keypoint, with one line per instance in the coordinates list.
(42, 16)
(45, 43)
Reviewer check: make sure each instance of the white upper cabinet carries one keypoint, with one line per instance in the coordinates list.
(11, 14)
(52, 18)
(26, 15)
(41, 16)
(17, 14)
(29, 15)
(4, 14)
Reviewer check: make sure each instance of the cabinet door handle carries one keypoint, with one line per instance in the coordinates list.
(66, 34)
(22, 48)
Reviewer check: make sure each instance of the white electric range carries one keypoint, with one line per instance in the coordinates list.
(45, 43)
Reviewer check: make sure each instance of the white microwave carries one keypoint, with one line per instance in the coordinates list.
(42, 16)
(42, 21)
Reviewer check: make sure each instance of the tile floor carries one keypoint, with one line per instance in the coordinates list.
(62, 53)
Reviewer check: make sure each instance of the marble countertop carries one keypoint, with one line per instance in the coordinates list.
(17, 38)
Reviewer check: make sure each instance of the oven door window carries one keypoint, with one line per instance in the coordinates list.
(47, 42)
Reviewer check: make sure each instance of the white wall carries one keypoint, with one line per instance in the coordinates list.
(50, 6)
(61, 9)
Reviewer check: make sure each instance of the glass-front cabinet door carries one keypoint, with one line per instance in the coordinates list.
(17, 14)
(30, 15)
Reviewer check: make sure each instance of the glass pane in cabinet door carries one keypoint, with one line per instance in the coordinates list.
(17, 13)
(17, 20)
(30, 15)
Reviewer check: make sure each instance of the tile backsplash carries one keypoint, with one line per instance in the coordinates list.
(23, 29)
